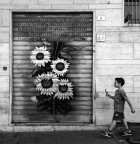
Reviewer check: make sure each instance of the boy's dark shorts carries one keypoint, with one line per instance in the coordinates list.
(118, 115)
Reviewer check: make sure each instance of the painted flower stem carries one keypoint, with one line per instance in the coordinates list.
(53, 105)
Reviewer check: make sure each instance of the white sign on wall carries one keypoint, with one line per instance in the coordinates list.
(100, 37)
(101, 18)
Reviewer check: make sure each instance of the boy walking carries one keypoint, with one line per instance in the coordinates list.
(119, 100)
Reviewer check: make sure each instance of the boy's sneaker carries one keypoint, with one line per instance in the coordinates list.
(127, 133)
(106, 133)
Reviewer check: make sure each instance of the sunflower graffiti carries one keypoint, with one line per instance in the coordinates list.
(55, 88)
(60, 66)
(46, 83)
(40, 56)
(65, 90)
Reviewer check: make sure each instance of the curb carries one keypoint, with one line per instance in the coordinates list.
(49, 128)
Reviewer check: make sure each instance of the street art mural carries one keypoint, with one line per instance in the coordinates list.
(50, 79)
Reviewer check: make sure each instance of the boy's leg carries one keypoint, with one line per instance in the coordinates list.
(110, 129)
(125, 124)
(127, 130)
(113, 125)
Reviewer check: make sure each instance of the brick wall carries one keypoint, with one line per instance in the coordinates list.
(119, 55)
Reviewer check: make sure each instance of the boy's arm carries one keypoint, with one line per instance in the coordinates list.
(128, 101)
(108, 95)
(130, 105)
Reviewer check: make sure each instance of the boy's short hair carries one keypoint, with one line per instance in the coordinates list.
(120, 80)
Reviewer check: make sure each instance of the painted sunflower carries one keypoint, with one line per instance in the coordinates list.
(60, 66)
(47, 83)
(65, 90)
(40, 56)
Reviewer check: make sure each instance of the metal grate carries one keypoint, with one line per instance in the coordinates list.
(132, 11)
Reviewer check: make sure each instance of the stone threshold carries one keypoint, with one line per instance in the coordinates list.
(49, 127)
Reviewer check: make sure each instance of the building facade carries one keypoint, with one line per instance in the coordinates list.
(104, 46)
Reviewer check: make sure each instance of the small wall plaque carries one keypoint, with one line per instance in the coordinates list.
(101, 18)
(100, 37)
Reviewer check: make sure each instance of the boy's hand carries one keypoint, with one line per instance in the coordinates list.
(106, 91)
(132, 111)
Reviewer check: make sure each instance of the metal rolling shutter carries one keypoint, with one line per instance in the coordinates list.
(76, 30)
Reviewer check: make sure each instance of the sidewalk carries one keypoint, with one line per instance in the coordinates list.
(57, 137)
(133, 139)
(71, 137)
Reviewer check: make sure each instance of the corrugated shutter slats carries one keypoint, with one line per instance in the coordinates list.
(75, 29)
